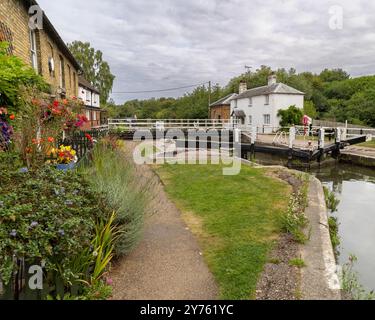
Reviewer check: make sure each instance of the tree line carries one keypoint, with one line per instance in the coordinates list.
(331, 95)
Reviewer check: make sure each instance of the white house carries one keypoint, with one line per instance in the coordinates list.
(259, 106)
(91, 99)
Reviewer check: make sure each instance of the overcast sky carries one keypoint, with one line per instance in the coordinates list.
(170, 43)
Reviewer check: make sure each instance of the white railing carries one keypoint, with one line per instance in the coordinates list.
(135, 124)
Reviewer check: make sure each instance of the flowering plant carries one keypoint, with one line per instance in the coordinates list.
(41, 122)
(65, 154)
(6, 130)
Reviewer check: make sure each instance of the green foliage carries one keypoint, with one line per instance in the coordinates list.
(95, 69)
(331, 95)
(192, 105)
(331, 201)
(350, 282)
(293, 220)
(334, 234)
(297, 262)
(114, 178)
(97, 291)
(14, 75)
(291, 116)
(333, 75)
(309, 109)
(45, 214)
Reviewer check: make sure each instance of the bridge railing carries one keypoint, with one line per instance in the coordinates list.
(135, 124)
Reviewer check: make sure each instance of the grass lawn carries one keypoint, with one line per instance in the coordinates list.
(368, 144)
(235, 218)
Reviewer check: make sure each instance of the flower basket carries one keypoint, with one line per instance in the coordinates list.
(66, 166)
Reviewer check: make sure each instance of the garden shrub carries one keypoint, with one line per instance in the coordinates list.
(45, 215)
(114, 177)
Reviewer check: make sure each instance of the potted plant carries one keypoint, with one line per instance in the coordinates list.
(66, 158)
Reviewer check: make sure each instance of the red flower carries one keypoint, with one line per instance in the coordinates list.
(51, 139)
(65, 102)
(55, 103)
(12, 117)
(88, 137)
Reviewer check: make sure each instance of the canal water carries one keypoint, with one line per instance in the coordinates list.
(354, 186)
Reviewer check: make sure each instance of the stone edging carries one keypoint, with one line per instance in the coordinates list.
(319, 278)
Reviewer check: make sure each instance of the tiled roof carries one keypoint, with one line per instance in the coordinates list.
(225, 100)
(280, 88)
(84, 83)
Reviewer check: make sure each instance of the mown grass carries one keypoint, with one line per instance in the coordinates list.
(236, 219)
(368, 144)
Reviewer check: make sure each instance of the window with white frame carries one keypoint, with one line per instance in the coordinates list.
(250, 102)
(267, 119)
(88, 115)
(267, 99)
(94, 116)
(250, 120)
(62, 73)
(33, 50)
(88, 94)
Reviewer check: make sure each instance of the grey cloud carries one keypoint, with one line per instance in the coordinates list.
(168, 43)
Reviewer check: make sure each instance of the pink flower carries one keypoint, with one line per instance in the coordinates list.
(109, 281)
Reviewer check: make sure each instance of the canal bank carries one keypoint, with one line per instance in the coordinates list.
(318, 278)
(354, 186)
(359, 156)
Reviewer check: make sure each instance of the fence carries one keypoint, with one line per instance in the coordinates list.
(135, 124)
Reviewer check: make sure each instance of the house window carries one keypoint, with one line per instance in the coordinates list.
(250, 120)
(70, 76)
(267, 99)
(62, 73)
(267, 119)
(250, 102)
(235, 103)
(87, 95)
(51, 61)
(33, 50)
(74, 83)
(94, 113)
(6, 35)
(88, 115)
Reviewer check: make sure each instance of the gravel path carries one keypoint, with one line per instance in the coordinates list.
(167, 264)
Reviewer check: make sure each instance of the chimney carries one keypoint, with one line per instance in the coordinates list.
(243, 87)
(272, 79)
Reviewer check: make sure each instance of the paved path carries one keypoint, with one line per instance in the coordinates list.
(167, 264)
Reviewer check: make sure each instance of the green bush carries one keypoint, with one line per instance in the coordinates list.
(294, 221)
(114, 177)
(291, 116)
(45, 215)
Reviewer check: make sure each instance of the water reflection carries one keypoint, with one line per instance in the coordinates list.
(355, 188)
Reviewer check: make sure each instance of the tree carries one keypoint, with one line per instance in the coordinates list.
(309, 109)
(95, 69)
(291, 116)
(334, 75)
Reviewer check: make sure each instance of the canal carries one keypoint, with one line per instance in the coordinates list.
(354, 186)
